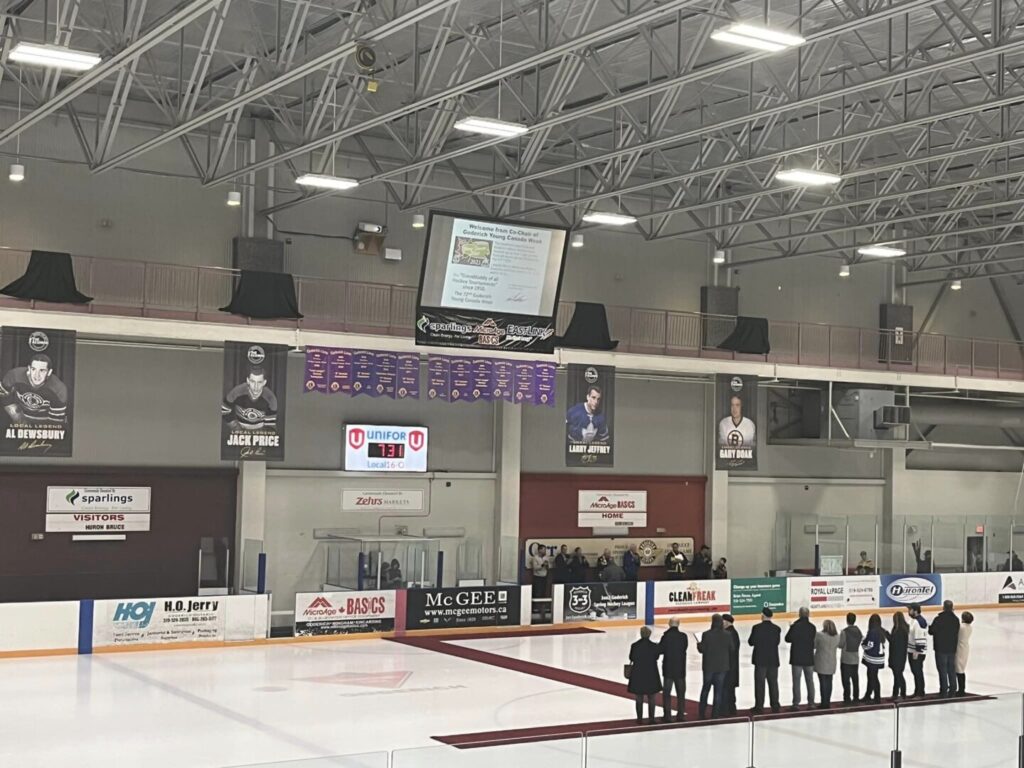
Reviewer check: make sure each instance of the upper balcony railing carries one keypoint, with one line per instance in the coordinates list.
(178, 292)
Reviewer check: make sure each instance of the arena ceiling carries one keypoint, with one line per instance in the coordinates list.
(630, 106)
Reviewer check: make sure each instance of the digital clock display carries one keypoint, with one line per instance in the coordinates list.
(376, 448)
(386, 450)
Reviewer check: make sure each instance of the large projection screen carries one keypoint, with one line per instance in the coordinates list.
(501, 277)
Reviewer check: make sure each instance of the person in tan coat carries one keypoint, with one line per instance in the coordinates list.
(963, 652)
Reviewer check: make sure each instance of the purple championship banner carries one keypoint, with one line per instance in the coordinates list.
(451, 379)
(339, 368)
(439, 375)
(317, 369)
(386, 364)
(364, 372)
(462, 385)
(408, 374)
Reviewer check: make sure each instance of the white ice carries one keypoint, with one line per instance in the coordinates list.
(297, 701)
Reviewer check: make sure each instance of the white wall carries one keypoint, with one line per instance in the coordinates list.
(298, 502)
(658, 430)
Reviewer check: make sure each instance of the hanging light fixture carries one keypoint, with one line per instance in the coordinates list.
(956, 285)
(882, 250)
(613, 219)
(234, 198)
(55, 56)
(419, 221)
(718, 257)
(808, 178)
(577, 240)
(761, 38)
(324, 181)
(844, 270)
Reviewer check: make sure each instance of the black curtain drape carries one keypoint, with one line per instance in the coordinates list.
(265, 296)
(49, 277)
(588, 328)
(749, 337)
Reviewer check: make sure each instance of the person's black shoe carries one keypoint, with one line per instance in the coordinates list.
(776, 710)
(681, 719)
(757, 711)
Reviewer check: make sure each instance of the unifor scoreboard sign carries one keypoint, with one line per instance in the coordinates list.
(375, 448)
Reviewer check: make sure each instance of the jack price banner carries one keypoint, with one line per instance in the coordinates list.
(612, 601)
(37, 391)
(736, 430)
(590, 416)
(462, 607)
(253, 405)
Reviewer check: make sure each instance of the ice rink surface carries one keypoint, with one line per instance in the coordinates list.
(297, 701)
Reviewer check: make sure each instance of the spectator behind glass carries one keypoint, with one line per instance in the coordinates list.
(721, 570)
(631, 563)
(578, 567)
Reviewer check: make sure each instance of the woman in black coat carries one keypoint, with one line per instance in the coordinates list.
(898, 640)
(644, 680)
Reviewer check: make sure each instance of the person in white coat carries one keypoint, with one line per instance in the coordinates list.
(963, 652)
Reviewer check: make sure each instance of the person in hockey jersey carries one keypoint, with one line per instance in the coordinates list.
(584, 421)
(34, 395)
(251, 406)
(736, 430)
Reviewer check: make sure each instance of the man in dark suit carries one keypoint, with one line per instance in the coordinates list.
(765, 638)
(673, 647)
(733, 682)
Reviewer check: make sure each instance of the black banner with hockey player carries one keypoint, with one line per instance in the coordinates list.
(253, 405)
(590, 416)
(736, 427)
(37, 391)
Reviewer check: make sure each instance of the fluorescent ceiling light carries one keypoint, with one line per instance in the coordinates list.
(614, 219)
(324, 181)
(54, 56)
(808, 178)
(490, 127)
(757, 37)
(882, 251)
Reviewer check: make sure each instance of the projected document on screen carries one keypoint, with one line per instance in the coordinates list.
(491, 266)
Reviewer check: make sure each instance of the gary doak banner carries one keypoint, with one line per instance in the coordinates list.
(590, 416)
(736, 416)
(253, 405)
(37, 391)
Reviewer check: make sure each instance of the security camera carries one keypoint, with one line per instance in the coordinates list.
(374, 229)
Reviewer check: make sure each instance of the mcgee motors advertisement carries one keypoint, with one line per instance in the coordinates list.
(600, 602)
(462, 607)
(163, 620)
(342, 613)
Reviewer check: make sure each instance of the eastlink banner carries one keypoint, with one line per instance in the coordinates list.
(253, 406)
(462, 607)
(919, 589)
(736, 430)
(37, 391)
(612, 601)
(490, 330)
(590, 416)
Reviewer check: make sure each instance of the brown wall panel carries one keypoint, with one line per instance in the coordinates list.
(187, 504)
